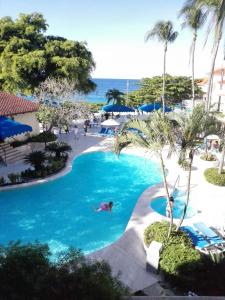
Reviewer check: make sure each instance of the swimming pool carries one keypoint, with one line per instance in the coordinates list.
(159, 205)
(61, 212)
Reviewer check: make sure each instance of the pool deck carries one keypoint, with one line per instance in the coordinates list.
(127, 256)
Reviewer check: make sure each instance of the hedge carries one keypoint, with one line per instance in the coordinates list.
(212, 176)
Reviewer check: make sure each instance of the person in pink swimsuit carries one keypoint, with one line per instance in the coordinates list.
(104, 206)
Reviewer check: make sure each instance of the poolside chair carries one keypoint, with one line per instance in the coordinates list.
(199, 240)
(210, 235)
(102, 131)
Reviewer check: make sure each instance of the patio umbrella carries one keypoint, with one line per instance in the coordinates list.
(9, 128)
(110, 123)
(153, 106)
(212, 137)
(117, 108)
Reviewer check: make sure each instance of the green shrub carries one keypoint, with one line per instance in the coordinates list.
(208, 157)
(44, 137)
(14, 177)
(19, 143)
(27, 272)
(212, 176)
(156, 232)
(2, 180)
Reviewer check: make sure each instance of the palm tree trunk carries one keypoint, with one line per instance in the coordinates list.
(167, 194)
(164, 74)
(210, 83)
(193, 69)
(191, 155)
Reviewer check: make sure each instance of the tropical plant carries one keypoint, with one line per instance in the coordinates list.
(193, 18)
(216, 8)
(30, 272)
(178, 88)
(192, 128)
(36, 159)
(58, 148)
(163, 30)
(115, 96)
(212, 176)
(156, 132)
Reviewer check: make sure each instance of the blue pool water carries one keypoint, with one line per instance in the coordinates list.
(61, 212)
(159, 205)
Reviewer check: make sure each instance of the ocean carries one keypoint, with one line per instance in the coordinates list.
(103, 85)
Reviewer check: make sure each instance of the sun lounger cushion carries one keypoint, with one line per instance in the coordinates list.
(197, 239)
(208, 233)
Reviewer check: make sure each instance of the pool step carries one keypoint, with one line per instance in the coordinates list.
(11, 155)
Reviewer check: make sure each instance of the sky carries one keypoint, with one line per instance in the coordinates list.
(114, 32)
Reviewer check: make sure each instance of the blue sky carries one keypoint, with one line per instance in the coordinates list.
(114, 31)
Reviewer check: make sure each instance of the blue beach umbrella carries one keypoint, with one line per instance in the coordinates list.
(153, 106)
(117, 108)
(9, 128)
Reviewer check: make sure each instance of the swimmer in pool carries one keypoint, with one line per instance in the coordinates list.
(105, 206)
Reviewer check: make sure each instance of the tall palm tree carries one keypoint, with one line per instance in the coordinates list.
(115, 96)
(190, 130)
(193, 18)
(156, 133)
(217, 9)
(163, 31)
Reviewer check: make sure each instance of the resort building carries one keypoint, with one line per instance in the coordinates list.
(20, 110)
(218, 90)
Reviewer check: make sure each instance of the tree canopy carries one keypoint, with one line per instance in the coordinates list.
(178, 88)
(28, 56)
(27, 272)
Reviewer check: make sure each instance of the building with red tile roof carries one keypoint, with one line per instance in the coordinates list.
(11, 105)
(21, 110)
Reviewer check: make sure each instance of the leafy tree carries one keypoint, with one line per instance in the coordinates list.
(193, 18)
(163, 31)
(156, 133)
(28, 57)
(57, 105)
(178, 88)
(27, 272)
(35, 159)
(58, 148)
(115, 96)
(191, 130)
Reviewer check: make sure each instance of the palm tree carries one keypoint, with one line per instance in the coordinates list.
(36, 159)
(217, 9)
(163, 30)
(193, 18)
(156, 133)
(115, 96)
(58, 148)
(191, 129)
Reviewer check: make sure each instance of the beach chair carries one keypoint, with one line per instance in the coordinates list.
(102, 131)
(210, 235)
(199, 241)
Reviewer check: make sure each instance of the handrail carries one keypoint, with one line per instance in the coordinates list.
(176, 182)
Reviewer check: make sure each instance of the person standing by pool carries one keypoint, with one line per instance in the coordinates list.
(169, 207)
(105, 206)
(75, 130)
(85, 127)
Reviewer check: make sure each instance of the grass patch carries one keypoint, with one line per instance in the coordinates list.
(212, 176)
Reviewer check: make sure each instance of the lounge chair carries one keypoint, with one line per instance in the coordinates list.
(198, 240)
(103, 130)
(209, 234)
